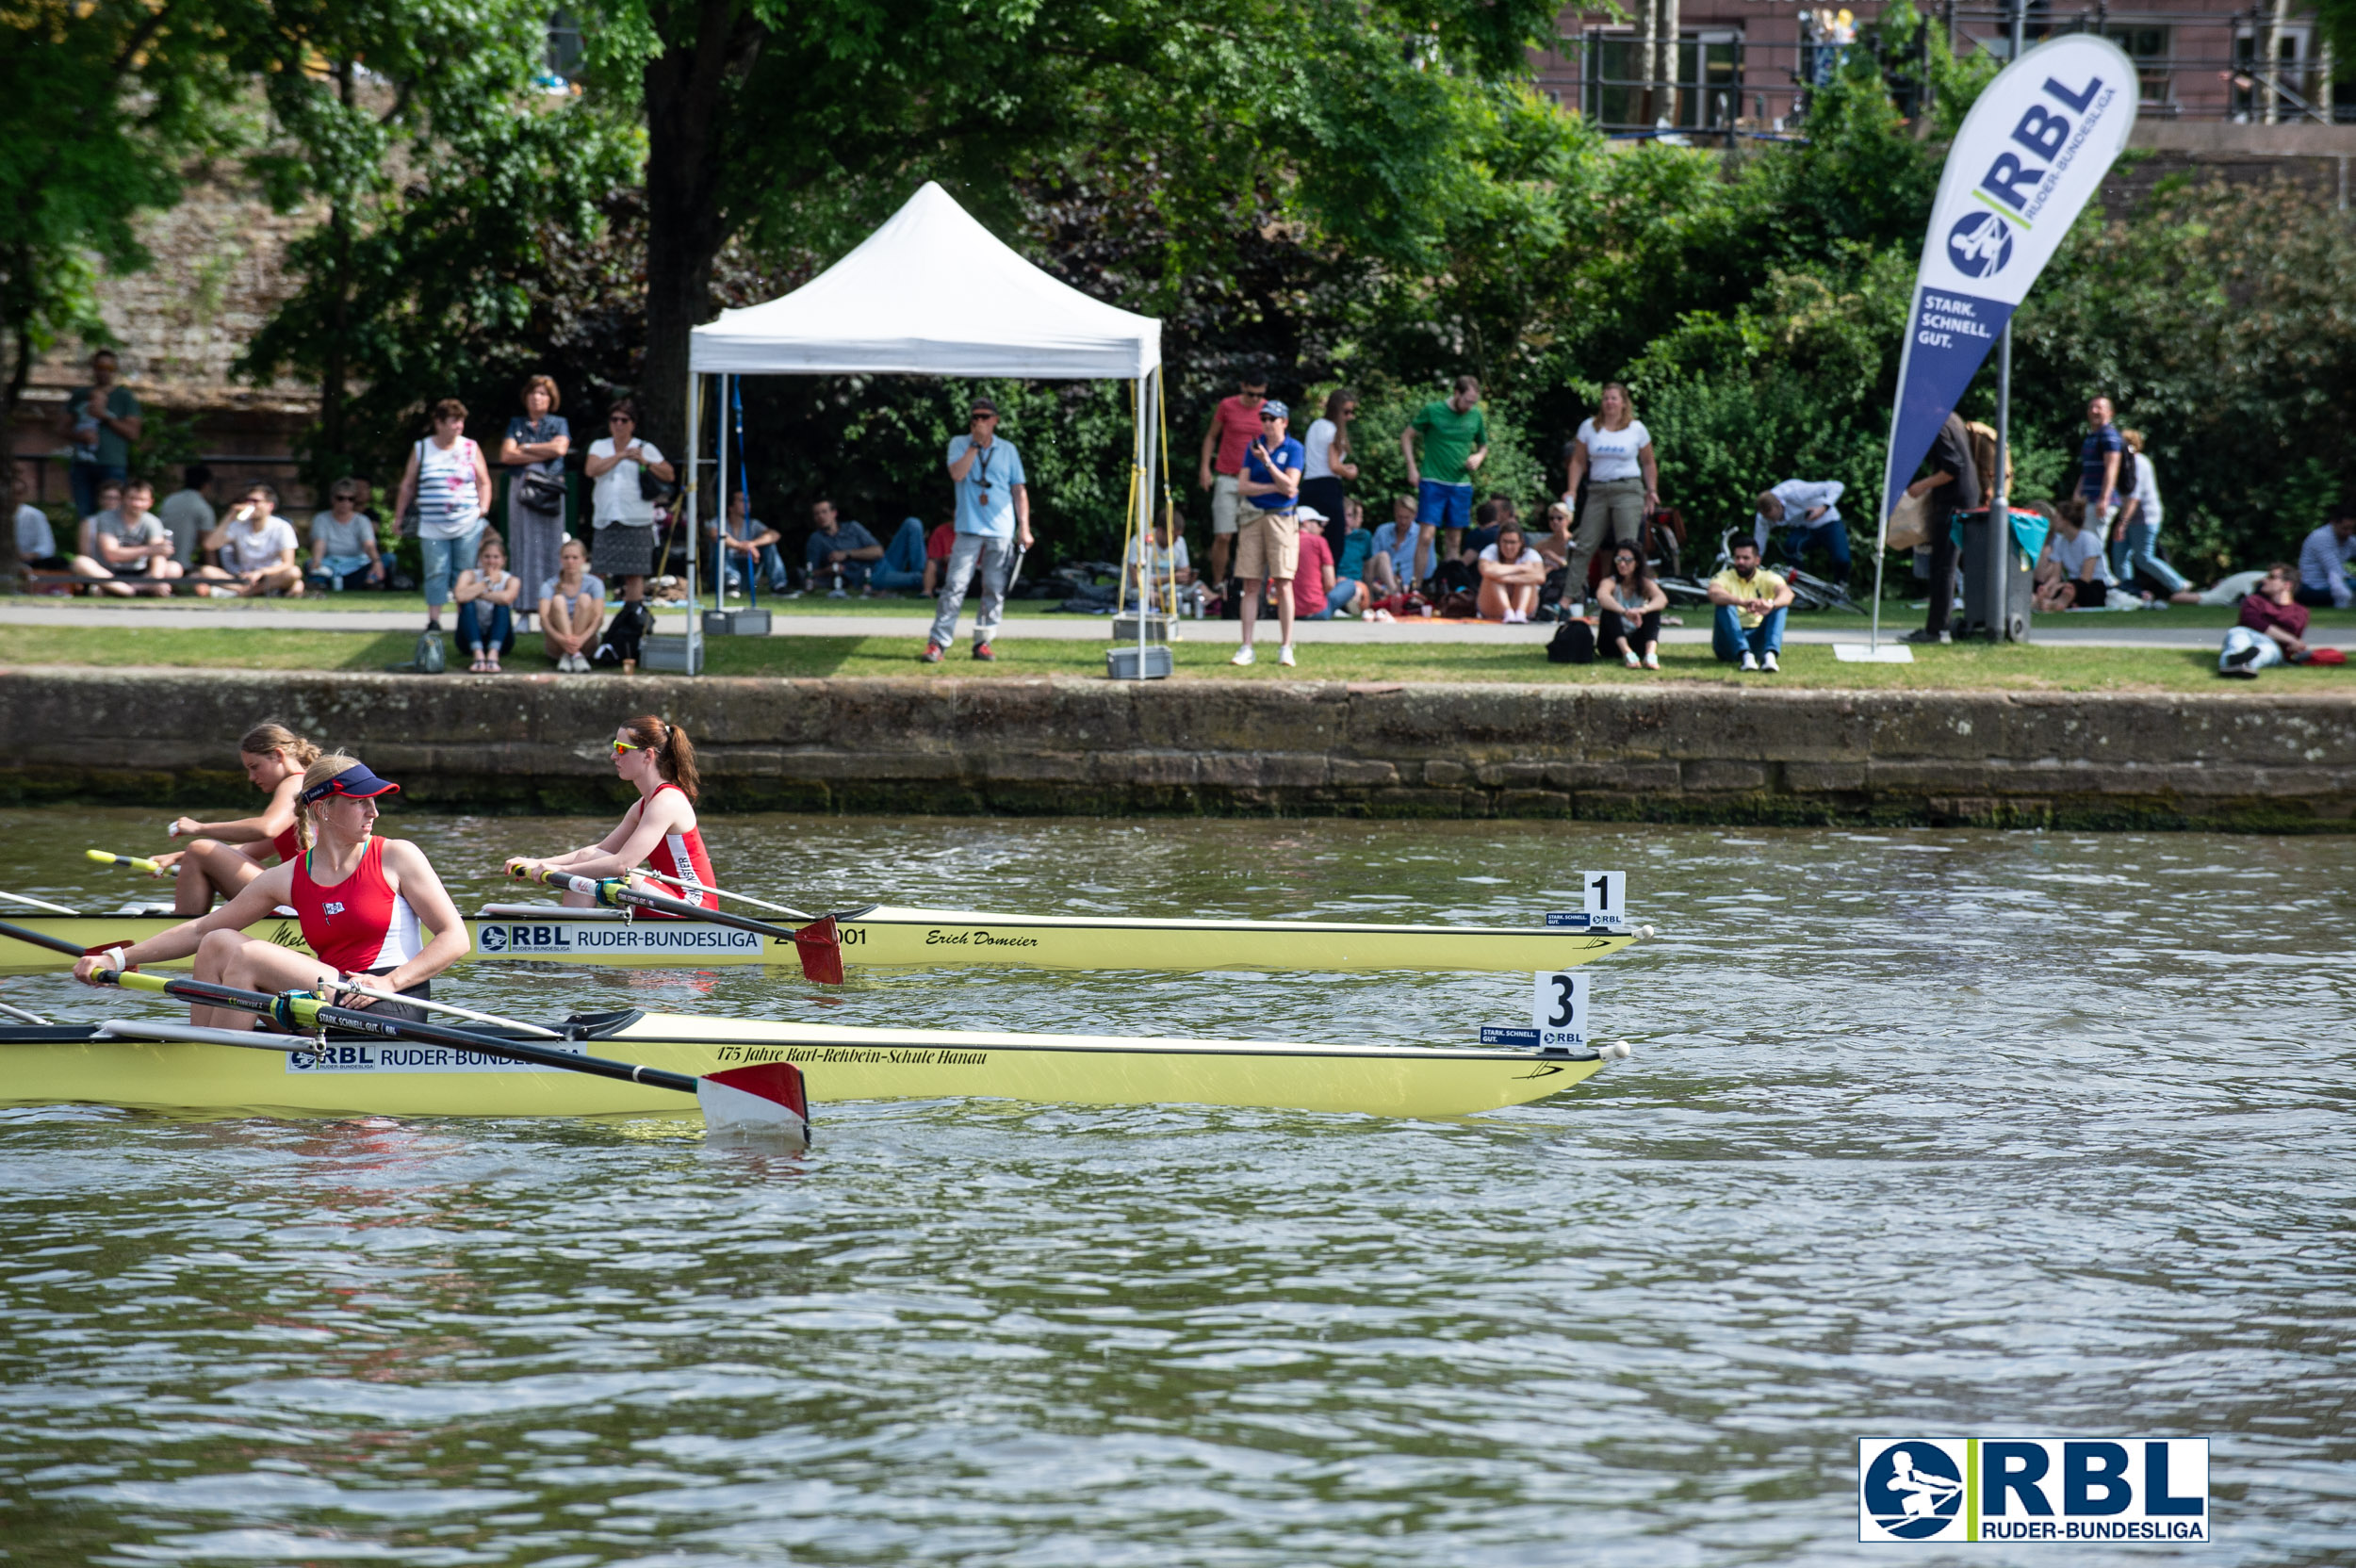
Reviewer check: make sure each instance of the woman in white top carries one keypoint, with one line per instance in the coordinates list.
(2138, 523)
(451, 482)
(2071, 573)
(1326, 461)
(1612, 453)
(486, 606)
(572, 608)
(624, 517)
(1511, 575)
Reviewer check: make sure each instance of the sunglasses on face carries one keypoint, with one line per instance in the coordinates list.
(621, 746)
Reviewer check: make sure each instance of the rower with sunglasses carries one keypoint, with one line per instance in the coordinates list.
(659, 832)
(365, 904)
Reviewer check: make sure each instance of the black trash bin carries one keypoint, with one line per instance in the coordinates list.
(2010, 601)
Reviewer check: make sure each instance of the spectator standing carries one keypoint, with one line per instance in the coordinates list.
(2271, 629)
(1809, 512)
(903, 564)
(746, 547)
(535, 444)
(130, 546)
(2139, 517)
(1511, 575)
(2100, 459)
(1751, 604)
(839, 552)
(189, 515)
(2323, 561)
(993, 518)
(1455, 434)
(2072, 571)
(343, 543)
(1268, 544)
(1631, 604)
(451, 483)
(35, 540)
(572, 607)
(1952, 485)
(1235, 425)
(256, 551)
(487, 592)
(1325, 456)
(622, 514)
(101, 421)
(1613, 452)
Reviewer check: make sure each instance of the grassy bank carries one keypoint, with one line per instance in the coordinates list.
(1963, 667)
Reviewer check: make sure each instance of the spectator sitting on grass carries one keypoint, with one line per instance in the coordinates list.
(1555, 544)
(133, 547)
(1395, 542)
(486, 593)
(939, 545)
(343, 543)
(747, 545)
(1489, 518)
(837, 553)
(1355, 546)
(572, 608)
(109, 495)
(1752, 603)
(2073, 570)
(1320, 590)
(1632, 602)
(256, 551)
(1511, 576)
(1173, 569)
(2272, 624)
(2323, 561)
(35, 540)
(902, 568)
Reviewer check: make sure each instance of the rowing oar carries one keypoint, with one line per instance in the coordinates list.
(38, 903)
(766, 1096)
(786, 909)
(129, 862)
(818, 944)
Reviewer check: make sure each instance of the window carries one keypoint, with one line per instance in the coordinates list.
(2150, 48)
(1709, 79)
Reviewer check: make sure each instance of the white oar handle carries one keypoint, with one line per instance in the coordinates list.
(353, 988)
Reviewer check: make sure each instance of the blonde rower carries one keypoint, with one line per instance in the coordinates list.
(660, 831)
(231, 854)
(365, 904)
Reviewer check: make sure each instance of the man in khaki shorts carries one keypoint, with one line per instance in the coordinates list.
(1268, 539)
(1235, 425)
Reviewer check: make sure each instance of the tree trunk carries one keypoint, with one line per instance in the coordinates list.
(1646, 61)
(330, 452)
(687, 221)
(1667, 46)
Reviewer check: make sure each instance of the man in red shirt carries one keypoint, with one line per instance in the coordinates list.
(1312, 580)
(2272, 625)
(1235, 425)
(937, 547)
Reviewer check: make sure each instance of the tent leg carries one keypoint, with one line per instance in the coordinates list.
(720, 498)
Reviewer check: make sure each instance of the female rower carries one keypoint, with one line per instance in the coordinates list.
(365, 904)
(231, 854)
(660, 830)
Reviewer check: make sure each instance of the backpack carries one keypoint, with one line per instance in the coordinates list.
(624, 637)
(428, 660)
(1574, 644)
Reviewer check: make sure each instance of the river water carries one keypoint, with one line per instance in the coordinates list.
(1926, 1133)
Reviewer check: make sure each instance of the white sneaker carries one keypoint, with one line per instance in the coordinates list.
(837, 593)
(1749, 664)
(1284, 656)
(1244, 656)
(1767, 663)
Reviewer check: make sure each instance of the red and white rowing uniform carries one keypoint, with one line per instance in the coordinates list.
(359, 924)
(681, 857)
(289, 847)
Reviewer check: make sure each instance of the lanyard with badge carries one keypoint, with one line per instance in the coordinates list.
(981, 473)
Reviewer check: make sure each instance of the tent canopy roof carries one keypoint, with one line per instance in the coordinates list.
(932, 292)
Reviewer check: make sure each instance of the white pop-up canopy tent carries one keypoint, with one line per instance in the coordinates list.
(933, 292)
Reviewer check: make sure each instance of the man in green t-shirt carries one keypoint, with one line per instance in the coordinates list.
(1455, 444)
(101, 420)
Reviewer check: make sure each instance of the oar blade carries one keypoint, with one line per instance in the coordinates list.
(767, 1099)
(819, 945)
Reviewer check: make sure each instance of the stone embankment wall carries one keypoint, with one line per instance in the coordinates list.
(2242, 760)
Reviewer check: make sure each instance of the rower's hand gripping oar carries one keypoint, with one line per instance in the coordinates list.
(819, 945)
(766, 1097)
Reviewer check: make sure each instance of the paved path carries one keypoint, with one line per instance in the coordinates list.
(2127, 629)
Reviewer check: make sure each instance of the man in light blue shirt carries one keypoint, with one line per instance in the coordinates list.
(2323, 562)
(1398, 538)
(993, 519)
(1807, 506)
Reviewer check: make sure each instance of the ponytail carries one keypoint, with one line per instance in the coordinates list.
(319, 771)
(263, 739)
(673, 754)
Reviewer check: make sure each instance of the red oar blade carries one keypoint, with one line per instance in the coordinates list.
(820, 947)
(767, 1098)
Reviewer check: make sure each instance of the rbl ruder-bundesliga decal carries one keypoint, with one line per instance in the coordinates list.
(2060, 1489)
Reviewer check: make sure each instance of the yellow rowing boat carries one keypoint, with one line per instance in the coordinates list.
(887, 936)
(113, 1064)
